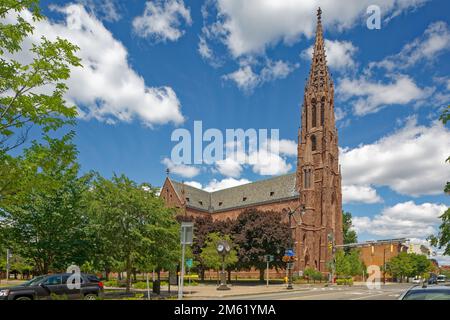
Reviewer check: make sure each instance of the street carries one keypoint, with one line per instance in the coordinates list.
(388, 292)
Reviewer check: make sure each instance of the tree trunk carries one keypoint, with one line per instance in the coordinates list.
(202, 274)
(129, 271)
(261, 274)
(229, 275)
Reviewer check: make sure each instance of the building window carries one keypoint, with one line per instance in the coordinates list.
(322, 111)
(272, 193)
(313, 143)
(220, 203)
(187, 199)
(314, 114)
(200, 202)
(244, 199)
(307, 178)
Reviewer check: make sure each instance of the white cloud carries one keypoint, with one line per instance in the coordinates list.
(226, 183)
(268, 163)
(215, 185)
(364, 194)
(106, 88)
(434, 41)
(181, 169)
(247, 80)
(248, 27)
(405, 219)
(339, 54)
(410, 161)
(244, 78)
(104, 9)
(194, 184)
(372, 96)
(162, 20)
(229, 167)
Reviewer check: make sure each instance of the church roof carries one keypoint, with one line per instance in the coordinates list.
(264, 191)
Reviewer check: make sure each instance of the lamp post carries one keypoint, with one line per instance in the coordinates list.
(223, 248)
(289, 256)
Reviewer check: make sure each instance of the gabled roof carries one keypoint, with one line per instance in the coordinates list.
(263, 191)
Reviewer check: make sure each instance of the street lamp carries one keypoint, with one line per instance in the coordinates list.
(289, 257)
(223, 248)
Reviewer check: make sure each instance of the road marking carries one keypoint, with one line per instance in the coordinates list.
(370, 296)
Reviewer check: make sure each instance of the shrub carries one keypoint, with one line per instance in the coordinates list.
(344, 281)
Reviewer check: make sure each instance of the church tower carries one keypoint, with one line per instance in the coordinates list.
(318, 171)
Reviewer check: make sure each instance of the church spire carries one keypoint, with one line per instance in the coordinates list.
(319, 76)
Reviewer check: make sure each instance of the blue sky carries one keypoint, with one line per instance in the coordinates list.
(153, 66)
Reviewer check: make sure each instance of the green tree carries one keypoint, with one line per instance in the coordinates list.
(421, 265)
(442, 239)
(343, 267)
(211, 258)
(356, 265)
(31, 93)
(401, 266)
(44, 220)
(132, 224)
(349, 234)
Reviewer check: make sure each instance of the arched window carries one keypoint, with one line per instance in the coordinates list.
(322, 111)
(313, 143)
(314, 113)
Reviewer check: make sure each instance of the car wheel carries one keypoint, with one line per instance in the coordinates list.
(23, 298)
(90, 296)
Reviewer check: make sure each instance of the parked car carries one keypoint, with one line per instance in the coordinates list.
(416, 280)
(426, 293)
(53, 286)
(441, 278)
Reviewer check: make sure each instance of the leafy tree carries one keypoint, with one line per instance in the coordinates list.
(342, 264)
(349, 234)
(442, 240)
(132, 224)
(31, 93)
(44, 220)
(260, 233)
(409, 265)
(203, 226)
(211, 258)
(356, 265)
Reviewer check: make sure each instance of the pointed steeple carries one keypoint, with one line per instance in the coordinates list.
(319, 76)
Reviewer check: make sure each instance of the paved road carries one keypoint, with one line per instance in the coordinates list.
(388, 292)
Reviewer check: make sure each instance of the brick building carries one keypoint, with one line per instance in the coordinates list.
(315, 186)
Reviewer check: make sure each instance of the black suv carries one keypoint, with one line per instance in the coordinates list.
(54, 286)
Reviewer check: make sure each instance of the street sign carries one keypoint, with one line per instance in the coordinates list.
(189, 263)
(187, 232)
(268, 258)
(289, 253)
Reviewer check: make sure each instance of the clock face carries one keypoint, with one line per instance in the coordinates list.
(227, 248)
(220, 247)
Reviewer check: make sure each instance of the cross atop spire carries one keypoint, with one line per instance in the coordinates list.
(319, 77)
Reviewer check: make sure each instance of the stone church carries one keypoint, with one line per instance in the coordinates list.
(313, 191)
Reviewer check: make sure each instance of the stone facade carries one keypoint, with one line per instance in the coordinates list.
(315, 186)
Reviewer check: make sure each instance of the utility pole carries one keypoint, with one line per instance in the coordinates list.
(290, 261)
(187, 232)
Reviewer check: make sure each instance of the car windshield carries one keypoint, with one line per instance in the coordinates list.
(33, 281)
(428, 295)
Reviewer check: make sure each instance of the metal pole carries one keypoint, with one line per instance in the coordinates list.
(267, 273)
(7, 265)
(384, 266)
(148, 288)
(180, 287)
(290, 245)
